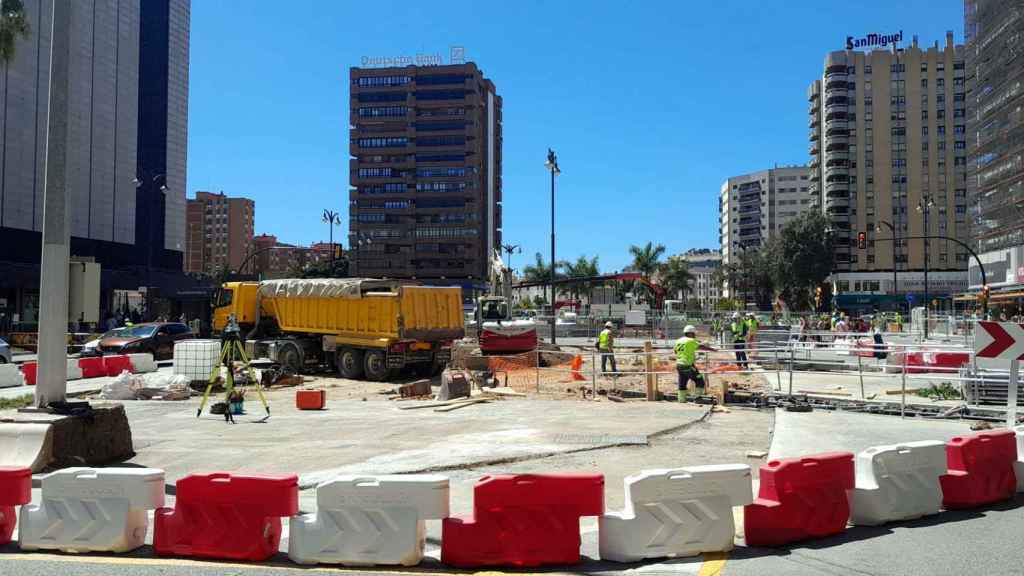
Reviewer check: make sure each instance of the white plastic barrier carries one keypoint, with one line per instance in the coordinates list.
(142, 363)
(676, 512)
(364, 520)
(1019, 465)
(74, 370)
(92, 510)
(195, 359)
(897, 482)
(10, 376)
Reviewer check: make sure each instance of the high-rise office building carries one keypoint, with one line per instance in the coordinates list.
(888, 154)
(220, 233)
(126, 164)
(425, 174)
(995, 180)
(703, 265)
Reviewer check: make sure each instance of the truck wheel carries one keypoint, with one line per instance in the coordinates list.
(375, 365)
(350, 363)
(290, 359)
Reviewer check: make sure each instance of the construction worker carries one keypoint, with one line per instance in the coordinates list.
(752, 326)
(606, 345)
(686, 359)
(738, 328)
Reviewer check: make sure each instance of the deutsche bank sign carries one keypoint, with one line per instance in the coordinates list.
(872, 40)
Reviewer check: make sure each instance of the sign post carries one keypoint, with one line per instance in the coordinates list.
(1002, 341)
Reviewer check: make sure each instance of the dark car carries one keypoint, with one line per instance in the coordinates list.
(156, 338)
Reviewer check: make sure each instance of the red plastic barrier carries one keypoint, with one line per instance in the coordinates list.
(800, 498)
(980, 469)
(114, 365)
(92, 367)
(223, 516)
(28, 370)
(523, 520)
(15, 490)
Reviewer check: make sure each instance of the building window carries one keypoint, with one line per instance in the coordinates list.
(435, 79)
(383, 111)
(440, 172)
(440, 157)
(867, 69)
(440, 94)
(382, 97)
(383, 80)
(441, 141)
(375, 172)
(388, 142)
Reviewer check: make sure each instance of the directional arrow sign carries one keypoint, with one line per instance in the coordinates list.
(999, 340)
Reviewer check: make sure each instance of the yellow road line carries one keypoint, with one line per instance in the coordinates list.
(714, 562)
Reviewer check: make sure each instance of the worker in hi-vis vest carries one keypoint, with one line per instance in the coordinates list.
(686, 359)
(739, 329)
(606, 345)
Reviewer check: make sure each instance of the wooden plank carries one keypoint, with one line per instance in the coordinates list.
(823, 393)
(458, 405)
(418, 405)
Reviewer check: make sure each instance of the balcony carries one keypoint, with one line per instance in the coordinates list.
(813, 121)
(814, 149)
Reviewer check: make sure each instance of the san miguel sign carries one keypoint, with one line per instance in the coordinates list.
(872, 40)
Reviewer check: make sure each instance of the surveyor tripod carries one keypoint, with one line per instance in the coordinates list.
(231, 351)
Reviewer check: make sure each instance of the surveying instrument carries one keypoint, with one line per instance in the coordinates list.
(230, 352)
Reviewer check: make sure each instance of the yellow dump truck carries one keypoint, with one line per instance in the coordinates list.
(365, 328)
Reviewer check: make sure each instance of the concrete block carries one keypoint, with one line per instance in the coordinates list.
(1018, 466)
(897, 482)
(104, 439)
(676, 512)
(74, 370)
(10, 376)
(92, 510)
(142, 363)
(366, 520)
(26, 445)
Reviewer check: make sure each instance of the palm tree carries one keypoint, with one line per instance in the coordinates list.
(581, 268)
(675, 277)
(539, 271)
(13, 25)
(646, 259)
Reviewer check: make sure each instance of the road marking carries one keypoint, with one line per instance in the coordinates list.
(714, 562)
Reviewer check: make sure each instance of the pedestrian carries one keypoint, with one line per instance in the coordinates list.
(606, 345)
(686, 359)
(738, 329)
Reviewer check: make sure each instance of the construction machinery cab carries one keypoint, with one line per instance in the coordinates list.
(492, 308)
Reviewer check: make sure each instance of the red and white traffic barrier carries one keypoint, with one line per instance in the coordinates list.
(82, 368)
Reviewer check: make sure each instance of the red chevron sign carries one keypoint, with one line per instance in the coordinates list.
(1000, 340)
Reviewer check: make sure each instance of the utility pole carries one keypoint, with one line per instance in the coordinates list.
(924, 206)
(552, 165)
(53, 277)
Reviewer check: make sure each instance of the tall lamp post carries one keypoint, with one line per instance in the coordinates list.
(924, 206)
(332, 219)
(892, 230)
(509, 250)
(552, 165)
(151, 243)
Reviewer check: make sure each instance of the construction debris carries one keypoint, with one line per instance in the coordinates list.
(756, 453)
(417, 388)
(454, 384)
(824, 393)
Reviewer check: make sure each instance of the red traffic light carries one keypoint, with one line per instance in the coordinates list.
(862, 240)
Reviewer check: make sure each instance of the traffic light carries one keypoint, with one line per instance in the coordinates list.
(817, 297)
(862, 240)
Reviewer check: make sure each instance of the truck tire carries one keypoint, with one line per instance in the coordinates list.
(350, 363)
(290, 358)
(375, 365)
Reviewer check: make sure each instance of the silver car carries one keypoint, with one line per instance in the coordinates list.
(5, 352)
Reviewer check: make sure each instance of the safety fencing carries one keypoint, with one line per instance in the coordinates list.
(518, 520)
(79, 368)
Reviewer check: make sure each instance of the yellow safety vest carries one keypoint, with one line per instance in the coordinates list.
(686, 351)
(604, 339)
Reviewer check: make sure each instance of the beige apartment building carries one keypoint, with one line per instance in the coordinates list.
(219, 232)
(888, 149)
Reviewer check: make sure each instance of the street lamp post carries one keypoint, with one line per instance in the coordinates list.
(892, 230)
(552, 165)
(924, 206)
(509, 250)
(151, 217)
(332, 219)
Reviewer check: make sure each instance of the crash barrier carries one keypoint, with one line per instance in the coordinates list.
(523, 520)
(15, 490)
(92, 367)
(92, 510)
(898, 482)
(365, 520)
(800, 498)
(10, 376)
(981, 469)
(676, 512)
(224, 516)
(1018, 466)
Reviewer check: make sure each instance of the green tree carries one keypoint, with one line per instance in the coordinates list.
(756, 275)
(801, 259)
(324, 269)
(675, 277)
(647, 259)
(539, 271)
(13, 25)
(581, 268)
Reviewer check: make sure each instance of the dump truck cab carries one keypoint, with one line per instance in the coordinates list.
(238, 298)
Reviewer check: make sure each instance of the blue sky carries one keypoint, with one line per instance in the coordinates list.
(649, 105)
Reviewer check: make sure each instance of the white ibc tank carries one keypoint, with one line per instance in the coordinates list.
(676, 512)
(92, 510)
(897, 482)
(1019, 465)
(195, 359)
(366, 520)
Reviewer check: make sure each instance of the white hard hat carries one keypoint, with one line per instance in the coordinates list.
(735, 314)
(609, 325)
(689, 329)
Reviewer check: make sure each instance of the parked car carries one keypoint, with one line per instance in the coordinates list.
(5, 352)
(157, 338)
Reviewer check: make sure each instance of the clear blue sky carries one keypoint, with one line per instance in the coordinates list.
(650, 105)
